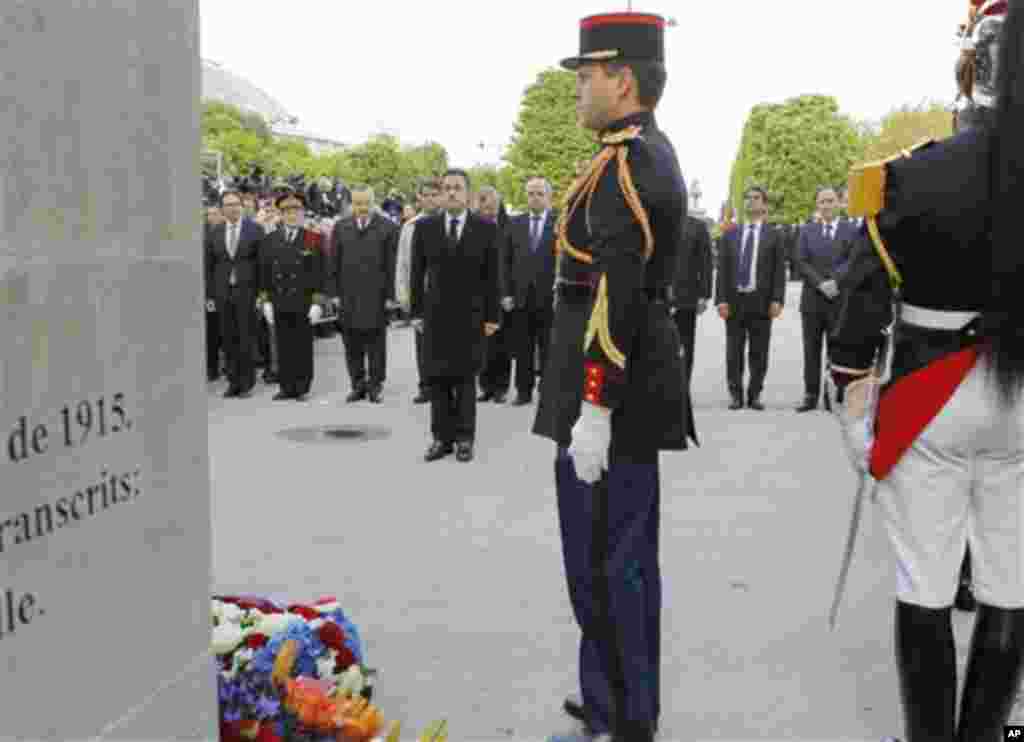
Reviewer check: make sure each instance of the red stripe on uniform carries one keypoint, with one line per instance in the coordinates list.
(997, 8)
(619, 19)
(909, 405)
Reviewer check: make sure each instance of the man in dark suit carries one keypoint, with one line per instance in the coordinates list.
(819, 255)
(212, 217)
(454, 253)
(365, 247)
(750, 292)
(293, 277)
(692, 286)
(528, 290)
(232, 255)
(496, 376)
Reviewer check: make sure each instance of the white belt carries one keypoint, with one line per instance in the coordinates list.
(935, 319)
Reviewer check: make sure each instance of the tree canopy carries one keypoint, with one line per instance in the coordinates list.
(792, 148)
(548, 141)
(905, 126)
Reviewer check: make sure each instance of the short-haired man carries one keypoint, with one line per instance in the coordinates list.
(454, 253)
(611, 396)
(428, 202)
(364, 284)
(496, 375)
(750, 291)
(528, 285)
(232, 269)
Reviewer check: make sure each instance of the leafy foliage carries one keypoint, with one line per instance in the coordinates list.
(791, 149)
(547, 141)
(904, 127)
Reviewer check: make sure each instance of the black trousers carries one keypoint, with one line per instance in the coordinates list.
(748, 335)
(686, 323)
(294, 335)
(237, 329)
(816, 327)
(212, 345)
(453, 409)
(497, 374)
(423, 383)
(363, 344)
(531, 330)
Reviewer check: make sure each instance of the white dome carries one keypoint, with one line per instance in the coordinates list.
(221, 85)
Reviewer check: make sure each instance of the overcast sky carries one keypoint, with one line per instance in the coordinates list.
(454, 72)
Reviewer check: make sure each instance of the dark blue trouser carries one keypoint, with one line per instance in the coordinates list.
(610, 547)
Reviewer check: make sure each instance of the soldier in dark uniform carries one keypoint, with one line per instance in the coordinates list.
(292, 266)
(947, 447)
(611, 396)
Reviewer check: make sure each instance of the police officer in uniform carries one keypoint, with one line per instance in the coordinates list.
(293, 271)
(948, 442)
(611, 397)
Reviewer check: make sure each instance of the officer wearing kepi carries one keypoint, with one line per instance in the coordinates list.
(612, 395)
(947, 447)
(292, 267)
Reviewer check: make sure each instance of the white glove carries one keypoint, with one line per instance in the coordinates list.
(856, 416)
(210, 306)
(591, 437)
(508, 304)
(389, 304)
(336, 301)
(315, 313)
(268, 312)
(702, 306)
(417, 324)
(829, 288)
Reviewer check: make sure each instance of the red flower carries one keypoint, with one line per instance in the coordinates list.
(256, 641)
(332, 636)
(326, 600)
(310, 614)
(344, 660)
(267, 733)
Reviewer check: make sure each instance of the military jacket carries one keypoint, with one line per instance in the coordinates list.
(293, 273)
(613, 342)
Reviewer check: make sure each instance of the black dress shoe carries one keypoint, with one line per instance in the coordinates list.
(283, 395)
(522, 399)
(737, 404)
(375, 395)
(232, 392)
(808, 405)
(485, 397)
(421, 398)
(755, 404)
(464, 451)
(499, 398)
(574, 709)
(269, 377)
(244, 393)
(438, 450)
(212, 377)
(356, 395)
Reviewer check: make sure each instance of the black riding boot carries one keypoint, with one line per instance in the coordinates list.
(926, 660)
(993, 673)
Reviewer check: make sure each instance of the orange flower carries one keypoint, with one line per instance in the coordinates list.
(284, 662)
(359, 720)
(308, 700)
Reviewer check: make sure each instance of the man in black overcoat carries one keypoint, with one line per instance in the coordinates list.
(364, 251)
(692, 287)
(454, 292)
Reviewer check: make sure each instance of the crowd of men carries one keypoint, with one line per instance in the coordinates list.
(360, 255)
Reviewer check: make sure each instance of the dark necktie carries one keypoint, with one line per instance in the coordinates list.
(746, 259)
(535, 234)
(828, 233)
(453, 232)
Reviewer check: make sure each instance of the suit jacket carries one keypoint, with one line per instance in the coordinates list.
(523, 268)
(693, 275)
(770, 271)
(292, 272)
(219, 262)
(818, 260)
(363, 271)
(463, 295)
(865, 297)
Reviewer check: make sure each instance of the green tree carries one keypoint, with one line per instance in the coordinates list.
(547, 141)
(905, 126)
(790, 149)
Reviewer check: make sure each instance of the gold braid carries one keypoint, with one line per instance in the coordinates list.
(583, 188)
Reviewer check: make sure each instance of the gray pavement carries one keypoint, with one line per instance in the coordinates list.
(453, 571)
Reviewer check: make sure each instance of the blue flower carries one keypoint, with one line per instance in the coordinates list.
(267, 708)
(232, 715)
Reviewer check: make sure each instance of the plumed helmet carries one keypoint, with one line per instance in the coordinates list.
(979, 52)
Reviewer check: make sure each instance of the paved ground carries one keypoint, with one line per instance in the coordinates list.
(453, 571)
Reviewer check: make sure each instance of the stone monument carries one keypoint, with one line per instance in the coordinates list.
(105, 514)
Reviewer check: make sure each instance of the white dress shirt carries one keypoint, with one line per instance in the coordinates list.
(757, 228)
(403, 263)
(232, 233)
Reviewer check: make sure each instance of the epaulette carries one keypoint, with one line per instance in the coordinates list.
(620, 137)
(866, 186)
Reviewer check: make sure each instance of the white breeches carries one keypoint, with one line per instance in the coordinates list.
(961, 482)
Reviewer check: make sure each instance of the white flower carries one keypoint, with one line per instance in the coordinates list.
(226, 637)
(329, 607)
(315, 624)
(351, 681)
(325, 667)
(273, 623)
(231, 612)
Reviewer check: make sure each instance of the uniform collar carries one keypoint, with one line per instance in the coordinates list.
(640, 118)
